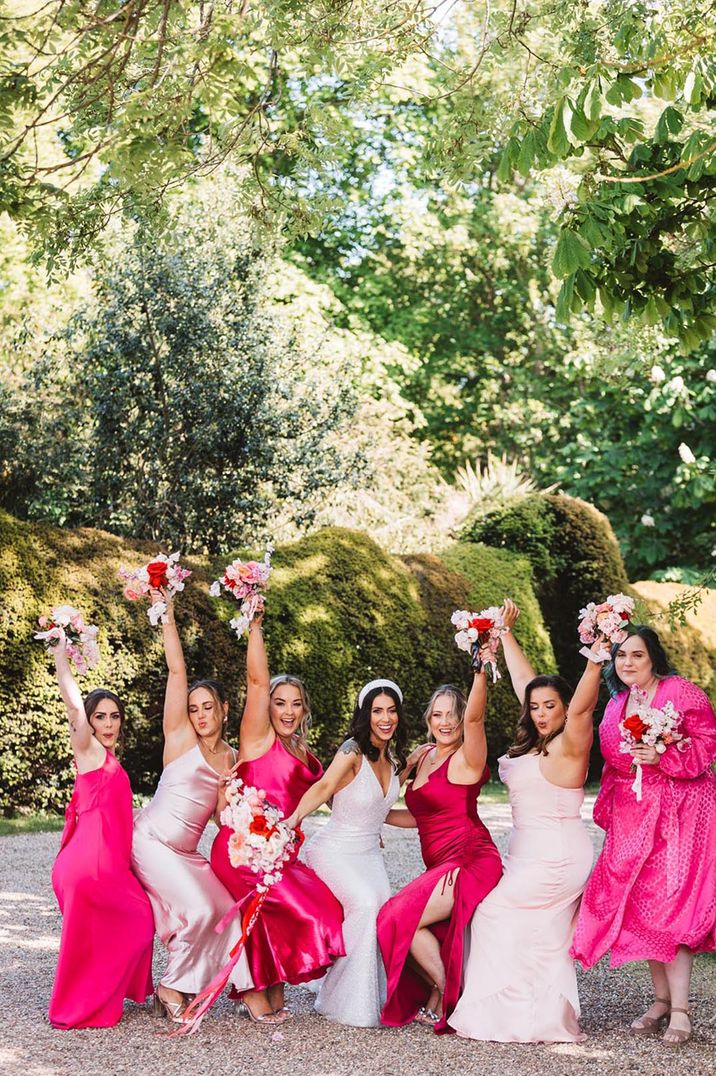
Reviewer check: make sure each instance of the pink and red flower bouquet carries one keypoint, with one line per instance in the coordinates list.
(66, 622)
(245, 581)
(610, 620)
(651, 726)
(479, 631)
(163, 573)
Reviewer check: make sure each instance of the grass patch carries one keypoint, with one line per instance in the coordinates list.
(31, 823)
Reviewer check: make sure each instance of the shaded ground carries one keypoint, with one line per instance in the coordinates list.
(310, 1046)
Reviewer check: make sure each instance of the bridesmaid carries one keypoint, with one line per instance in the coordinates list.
(187, 897)
(364, 781)
(420, 930)
(652, 895)
(107, 927)
(519, 983)
(298, 933)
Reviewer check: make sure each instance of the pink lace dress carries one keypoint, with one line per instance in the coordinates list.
(653, 888)
(107, 925)
(298, 934)
(451, 836)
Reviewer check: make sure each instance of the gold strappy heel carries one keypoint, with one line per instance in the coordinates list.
(173, 1010)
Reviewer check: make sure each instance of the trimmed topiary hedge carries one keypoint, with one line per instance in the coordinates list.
(340, 611)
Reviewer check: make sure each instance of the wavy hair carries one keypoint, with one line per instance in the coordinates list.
(216, 691)
(300, 737)
(526, 735)
(660, 664)
(359, 730)
(458, 700)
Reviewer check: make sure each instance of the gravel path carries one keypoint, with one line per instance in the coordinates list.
(310, 1045)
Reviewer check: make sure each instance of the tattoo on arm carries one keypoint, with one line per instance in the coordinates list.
(350, 747)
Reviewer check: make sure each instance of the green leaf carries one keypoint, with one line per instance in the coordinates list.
(693, 87)
(526, 155)
(572, 253)
(557, 141)
(670, 122)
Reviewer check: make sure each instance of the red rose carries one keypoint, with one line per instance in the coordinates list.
(635, 726)
(157, 572)
(481, 624)
(260, 826)
(624, 616)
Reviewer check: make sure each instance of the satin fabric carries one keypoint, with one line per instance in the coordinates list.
(187, 897)
(346, 855)
(653, 887)
(451, 836)
(520, 982)
(298, 934)
(107, 926)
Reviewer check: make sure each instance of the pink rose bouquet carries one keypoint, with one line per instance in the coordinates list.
(163, 573)
(610, 619)
(477, 631)
(67, 623)
(649, 725)
(246, 581)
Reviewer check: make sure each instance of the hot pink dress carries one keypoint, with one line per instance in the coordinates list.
(298, 933)
(107, 925)
(451, 836)
(654, 885)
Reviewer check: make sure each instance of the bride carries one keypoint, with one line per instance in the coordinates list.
(364, 781)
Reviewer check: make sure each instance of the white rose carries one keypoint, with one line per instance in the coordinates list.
(686, 454)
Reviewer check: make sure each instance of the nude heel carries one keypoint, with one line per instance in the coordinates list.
(651, 1024)
(679, 1037)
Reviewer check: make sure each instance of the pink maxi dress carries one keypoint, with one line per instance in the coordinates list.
(298, 933)
(653, 888)
(451, 836)
(107, 925)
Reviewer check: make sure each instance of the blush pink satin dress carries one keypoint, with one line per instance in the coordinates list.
(187, 897)
(298, 933)
(451, 836)
(520, 982)
(107, 926)
(653, 887)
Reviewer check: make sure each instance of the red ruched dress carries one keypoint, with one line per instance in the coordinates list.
(298, 933)
(451, 836)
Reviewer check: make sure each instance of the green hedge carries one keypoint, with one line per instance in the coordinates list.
(340, 611)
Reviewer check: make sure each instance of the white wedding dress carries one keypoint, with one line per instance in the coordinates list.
(346, 855)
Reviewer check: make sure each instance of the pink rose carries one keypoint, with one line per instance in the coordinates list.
(131, 594)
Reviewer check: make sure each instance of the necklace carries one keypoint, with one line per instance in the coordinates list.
(212, 750)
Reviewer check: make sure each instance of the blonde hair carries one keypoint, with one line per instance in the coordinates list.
(301, 736)
(457, 699)
(217, 693)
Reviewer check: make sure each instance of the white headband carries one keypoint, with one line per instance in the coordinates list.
(379, 683)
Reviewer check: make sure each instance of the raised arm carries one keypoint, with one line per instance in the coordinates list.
(178, 731)
(519, 668)
(341, 772)
(576, 740)
(255, 722)
(84, 745)
(474, 747)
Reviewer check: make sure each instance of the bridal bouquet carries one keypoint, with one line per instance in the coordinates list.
(246, 581)
(67, 623)
(162, 573)
(261, 841)
(477, 631)
(649, 725)
(609, 619)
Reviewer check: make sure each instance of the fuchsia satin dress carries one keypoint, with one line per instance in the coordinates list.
(654, 885)
(451, 836)
(107, 925)
(298, 933)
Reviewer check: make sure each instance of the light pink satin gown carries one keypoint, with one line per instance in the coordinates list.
(107, 928)
(654, 884)
(519, 980)
(298, 934)
(187, 898)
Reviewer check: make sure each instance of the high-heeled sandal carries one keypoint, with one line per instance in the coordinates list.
(679, 1037)
(265, 1018)
(649, 1025)
(426, 1016)
(286, 1014)
(173, 1010)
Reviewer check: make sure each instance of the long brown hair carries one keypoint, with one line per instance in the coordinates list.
(300, 737)
(217, 693)
(526, 735)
